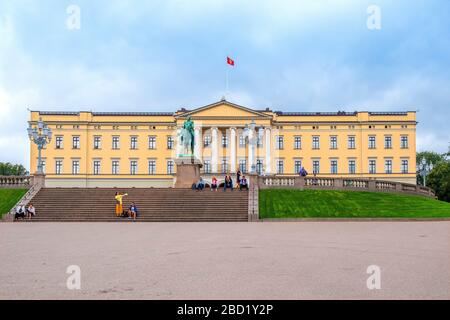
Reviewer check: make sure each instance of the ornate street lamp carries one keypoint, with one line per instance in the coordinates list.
(41, 135)
(424, 168)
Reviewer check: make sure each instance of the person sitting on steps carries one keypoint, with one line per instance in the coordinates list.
(228, 183)
(243, 184)
(31, 211)
(200, 185)
(133, 211)
(20, 213)
(214, 185)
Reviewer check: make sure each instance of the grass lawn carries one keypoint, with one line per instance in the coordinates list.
(289, 203)
(9, 197)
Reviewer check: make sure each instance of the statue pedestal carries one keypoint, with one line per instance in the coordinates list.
(188, 171)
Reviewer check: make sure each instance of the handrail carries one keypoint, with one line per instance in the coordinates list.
(274, 181)
(16, 181)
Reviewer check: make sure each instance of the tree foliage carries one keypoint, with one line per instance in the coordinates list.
(439, 180)
(9, 169)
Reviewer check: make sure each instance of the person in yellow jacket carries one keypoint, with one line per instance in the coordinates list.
(119, 203)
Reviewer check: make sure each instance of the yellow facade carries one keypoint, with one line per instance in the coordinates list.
(96, 149)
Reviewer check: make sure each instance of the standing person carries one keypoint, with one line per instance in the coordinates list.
(238, 176)
(119, 203)
(31, 211)
(314, 181)
(214, 184)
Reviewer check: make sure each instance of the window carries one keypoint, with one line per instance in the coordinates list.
(224, 141)
(372, 166)
(151, 167)
(404, 142)
(351, 166)
(75, 166)
(315, 142)
(207, 166)
(115, 167)
(259, 166)
(134, 143)
(297, 142)
(351, 142)
(241, 141)
(334, 167)
(405, 166)
(388, 142)
(96, 167)
(169, 167)
(59, 142)
(297, 166)
(133, 167)
(152, 142)
(170, 142)
(333, 142)
(243, 165)
(372, 142)
(76, 142)
(97, 142)
(280, 142)
(388, 166)
(224, 166)
(58, 166)
(280, 166)
(115, 142)
(207, 141)
(316, 166)
(43, 165)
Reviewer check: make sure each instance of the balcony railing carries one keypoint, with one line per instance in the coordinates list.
(16, 182)
(277, 181)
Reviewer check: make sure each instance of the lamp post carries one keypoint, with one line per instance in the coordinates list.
(41, 135)
(424, 168)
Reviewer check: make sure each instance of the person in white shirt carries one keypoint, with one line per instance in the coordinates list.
(31, 211)
(20, 212)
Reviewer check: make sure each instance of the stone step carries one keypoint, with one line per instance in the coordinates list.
(154, 204)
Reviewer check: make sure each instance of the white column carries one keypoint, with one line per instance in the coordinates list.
(268, 144)
(251, 149)
(214, 149)
(179, 145)
(198, 143)
(233, 150)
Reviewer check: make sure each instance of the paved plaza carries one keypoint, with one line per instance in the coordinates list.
(271, 260)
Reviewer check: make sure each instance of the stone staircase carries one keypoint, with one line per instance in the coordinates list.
(154, 204)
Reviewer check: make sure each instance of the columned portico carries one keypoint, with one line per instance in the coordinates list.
(251, 150)
(214, 149)
(268, 144)
(198, 142)
(233, 149)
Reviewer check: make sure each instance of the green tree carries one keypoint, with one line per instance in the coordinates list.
(439, 180)
(9, 169)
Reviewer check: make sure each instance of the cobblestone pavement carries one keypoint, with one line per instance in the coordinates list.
(291, 260)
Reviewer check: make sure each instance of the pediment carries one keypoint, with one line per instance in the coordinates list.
(223, 109)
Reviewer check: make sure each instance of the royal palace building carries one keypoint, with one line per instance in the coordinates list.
(126, 149)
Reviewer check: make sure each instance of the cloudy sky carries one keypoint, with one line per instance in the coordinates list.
(162, 55)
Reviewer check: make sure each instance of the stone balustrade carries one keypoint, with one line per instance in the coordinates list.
(17, 182)
(277, 181)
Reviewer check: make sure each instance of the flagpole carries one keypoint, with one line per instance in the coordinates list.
(226, 83)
